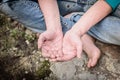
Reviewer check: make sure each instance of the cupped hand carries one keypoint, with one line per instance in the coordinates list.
(50, 43)
(72, 46)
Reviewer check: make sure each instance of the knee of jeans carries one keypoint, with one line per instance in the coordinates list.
(107, 31)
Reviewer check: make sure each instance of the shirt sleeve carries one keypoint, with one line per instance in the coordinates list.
(113, 3)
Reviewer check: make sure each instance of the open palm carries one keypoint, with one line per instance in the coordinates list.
(72, 46)
(51, 44)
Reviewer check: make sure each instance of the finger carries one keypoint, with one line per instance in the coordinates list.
(79, 48)
(53, 60)
(46, 47)
(52, 56)
(60, 53)
(66, 57)
(79, 51)
(45, 53)
(41, 41)
(55, 53)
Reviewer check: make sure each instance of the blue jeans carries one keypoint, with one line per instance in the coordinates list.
(28, 13)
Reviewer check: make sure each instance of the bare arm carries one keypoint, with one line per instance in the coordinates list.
(50, 41)
(96, 13)
(51, 14)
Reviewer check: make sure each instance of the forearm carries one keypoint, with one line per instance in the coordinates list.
(51, 14)
(95, 14)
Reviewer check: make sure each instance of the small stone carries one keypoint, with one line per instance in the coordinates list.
(98, 72)
(27, 42)
(26, 72)
(24, 79)
(83, 69)
(42, 59)
(37, 62)
(14, 48)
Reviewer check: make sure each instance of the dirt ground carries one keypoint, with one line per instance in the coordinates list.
(19, 57)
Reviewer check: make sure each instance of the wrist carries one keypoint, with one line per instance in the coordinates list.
(55, 30)
(53, 25)
(76, 31)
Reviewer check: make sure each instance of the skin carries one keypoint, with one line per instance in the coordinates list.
(51, 40)
(92, 51)
(75, 40)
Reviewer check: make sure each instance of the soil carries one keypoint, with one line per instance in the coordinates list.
(19, 57)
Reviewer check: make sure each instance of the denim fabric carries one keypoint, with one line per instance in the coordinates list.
(117, 12)
(68, 6)
(107, 30)
(28, 13)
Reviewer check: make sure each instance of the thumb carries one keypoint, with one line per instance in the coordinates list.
(79, 49)
(41, 40)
